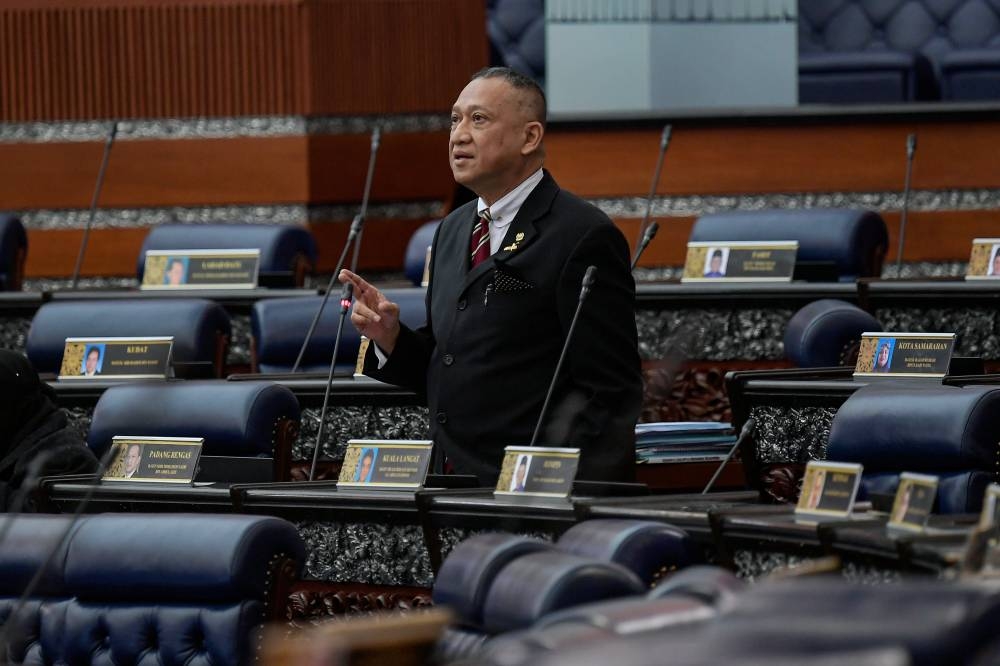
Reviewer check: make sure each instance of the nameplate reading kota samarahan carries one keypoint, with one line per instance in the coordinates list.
(381, 464)
(201, 269)
(154, 459)
(116, 358)
(828, 491)
(926, 355)
(537, 471)
(740, 261)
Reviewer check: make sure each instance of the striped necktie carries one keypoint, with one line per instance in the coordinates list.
(479, 247)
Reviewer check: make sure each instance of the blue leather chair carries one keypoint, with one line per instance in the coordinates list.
(947, 431)
(416, 252)
(826, 333)
(853, 241)
(200, 328)
(516, 30)
(135, 588)
(971, 75)
(13, 252)
(278, 327)
(245, 418)
(287, 253)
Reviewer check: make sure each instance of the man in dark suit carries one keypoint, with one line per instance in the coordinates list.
(505, 279)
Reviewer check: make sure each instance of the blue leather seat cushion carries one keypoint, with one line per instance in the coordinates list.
(971, 75)
(958, 492)
(193, 322)
(901, 426)
(177, 557)
(235, 418)
(819, 333)
(26, 547)
(278, 244)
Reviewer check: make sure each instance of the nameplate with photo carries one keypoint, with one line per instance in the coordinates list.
(984, 262)
(154, 459)
(914, 502)
(990, 515)
(917, 355)
(740, 261)
(828, 491)
(116, 358)
(385, 464)
(536, 471)
(201, 269)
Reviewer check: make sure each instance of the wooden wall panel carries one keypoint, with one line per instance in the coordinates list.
(52, 252)
(383, 246)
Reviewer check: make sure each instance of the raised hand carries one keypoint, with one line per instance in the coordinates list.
(375, 316)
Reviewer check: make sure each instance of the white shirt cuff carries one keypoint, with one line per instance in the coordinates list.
(380, 355)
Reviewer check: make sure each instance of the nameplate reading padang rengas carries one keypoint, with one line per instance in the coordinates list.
(538, 471)
(828, 491)
(116, 358)
(395, 464)
(913, 503)
(154, 459)
(201, 269)
(925, 355)
(740, 261)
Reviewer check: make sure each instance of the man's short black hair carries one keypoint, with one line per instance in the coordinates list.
(519, 81)
(94, 349)
(717, 253)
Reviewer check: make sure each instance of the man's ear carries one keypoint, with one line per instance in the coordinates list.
(533, 133)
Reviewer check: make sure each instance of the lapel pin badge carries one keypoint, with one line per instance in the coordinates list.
(519, 237)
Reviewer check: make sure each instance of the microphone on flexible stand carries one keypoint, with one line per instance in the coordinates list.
(588, 281)
(664, 142)
(745, 432)
(353, 238)
(646, 240)
(346, 296)
(93, 202)
(911, 149)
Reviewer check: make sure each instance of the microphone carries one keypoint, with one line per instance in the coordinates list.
(745, 433)
(346, 296)
(93, 202)
(664, 142)
(647, 238)
(911, 150)
(588, 282)
(353, 238)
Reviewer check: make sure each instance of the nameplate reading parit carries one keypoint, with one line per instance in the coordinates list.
(116, 358)
(913, 503)
(154, 459)
(201, 269)
(828, 491)
(537, 471)
(926, 355)
(984, 262)
(740, 261)
(385, 464)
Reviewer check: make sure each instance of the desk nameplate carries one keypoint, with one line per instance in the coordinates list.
(141, 459)
(740, 261)
(385, 464)
(117, 358)
(201, 269)
(535, 471)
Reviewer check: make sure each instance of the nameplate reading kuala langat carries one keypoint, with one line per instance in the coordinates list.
(393, 464)
(116, 358)
(201, 269)
(154, 459)
(537, 471)
(828, 491)
(740, 261)
(919, 355)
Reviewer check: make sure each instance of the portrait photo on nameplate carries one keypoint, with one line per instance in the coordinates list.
(990, 514)
(914, 502)
(385, 464)
(116, 358)
(984, 262)
(200, 269)
(154, 459)
(900, 355)
(535, 471)
(828, 491)
(740, 261)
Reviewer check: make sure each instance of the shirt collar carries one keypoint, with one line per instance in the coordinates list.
(506, 207)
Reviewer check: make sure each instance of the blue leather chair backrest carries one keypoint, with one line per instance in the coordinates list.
(280, 245)
(854, 240)
(279, 327)
(958, 492)
(416, 252)
(13, 250)
(235, 418)
(196, 325)
(26, 547)
(516, 29)
(898, 427)
(826, 333)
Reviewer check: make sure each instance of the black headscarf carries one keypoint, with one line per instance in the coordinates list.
(35, 436)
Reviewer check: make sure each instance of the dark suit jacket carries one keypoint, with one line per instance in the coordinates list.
(494, 334)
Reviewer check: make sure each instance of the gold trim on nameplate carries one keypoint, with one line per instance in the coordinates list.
(352, 460)
(359, 364)
(983, 249)
(426, 278)
(71, 366)
(868, 348)
(509, 462)
(116, 470)
(156, 261)
(803, 510)
(697, 257)
(898, 513)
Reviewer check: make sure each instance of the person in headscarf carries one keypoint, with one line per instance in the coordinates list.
(35, 437)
